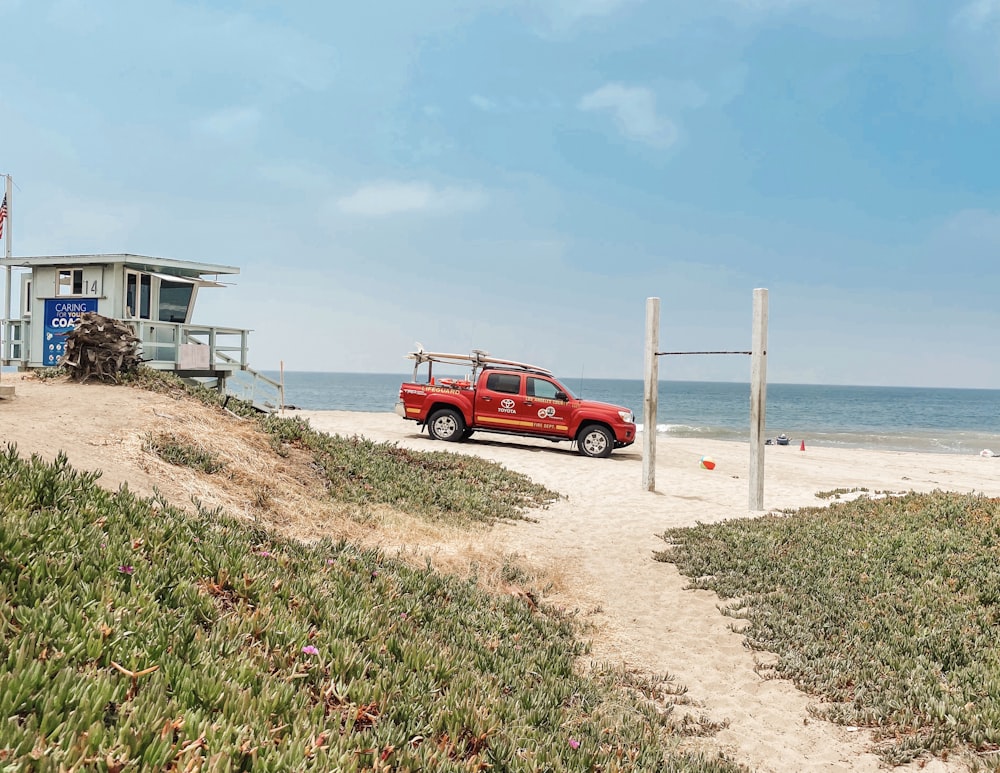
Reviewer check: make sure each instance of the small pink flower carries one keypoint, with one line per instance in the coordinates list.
(126, 569)
(330, 562)
(574, 744)
(264, 553)
(402, 615)
(310, 650)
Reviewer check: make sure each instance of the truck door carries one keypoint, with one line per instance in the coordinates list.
(546, 402)
(500, 403)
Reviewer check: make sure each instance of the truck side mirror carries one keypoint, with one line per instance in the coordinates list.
(560, 395)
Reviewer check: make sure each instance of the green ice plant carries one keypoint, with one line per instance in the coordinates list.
(438, 485)
(48, 374)
(887, 610)
(134, 636)
(175, 451)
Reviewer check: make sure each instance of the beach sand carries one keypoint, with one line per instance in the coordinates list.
(598, 540)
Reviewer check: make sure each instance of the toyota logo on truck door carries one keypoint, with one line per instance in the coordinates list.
(507, 406)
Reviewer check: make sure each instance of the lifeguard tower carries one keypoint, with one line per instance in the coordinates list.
(155, 296)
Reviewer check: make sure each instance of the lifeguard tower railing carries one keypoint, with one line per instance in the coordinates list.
(210, 355)
(14, 335)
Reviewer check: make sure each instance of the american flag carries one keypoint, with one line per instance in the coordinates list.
(3, 214)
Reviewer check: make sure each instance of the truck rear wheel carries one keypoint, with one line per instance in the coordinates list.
(446, 424)
(596, 441)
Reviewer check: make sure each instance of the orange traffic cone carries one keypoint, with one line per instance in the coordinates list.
(803, 446)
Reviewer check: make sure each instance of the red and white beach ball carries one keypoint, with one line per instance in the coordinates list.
(707, 463)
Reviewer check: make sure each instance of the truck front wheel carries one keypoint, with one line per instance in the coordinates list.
(596, 441)
(446, 424)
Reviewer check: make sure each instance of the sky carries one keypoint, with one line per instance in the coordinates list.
(519, 176)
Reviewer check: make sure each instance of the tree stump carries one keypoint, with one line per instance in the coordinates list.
(100, 347)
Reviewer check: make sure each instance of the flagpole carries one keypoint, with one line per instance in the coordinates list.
(8, 234)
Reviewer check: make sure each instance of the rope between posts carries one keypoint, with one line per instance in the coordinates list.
(659, 354)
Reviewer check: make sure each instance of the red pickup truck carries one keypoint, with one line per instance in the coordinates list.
(509, 397)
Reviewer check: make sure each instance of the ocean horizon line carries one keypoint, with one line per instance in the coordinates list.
(402, 375)
(569, 379)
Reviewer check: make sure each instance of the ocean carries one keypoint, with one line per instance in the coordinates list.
(950, 421)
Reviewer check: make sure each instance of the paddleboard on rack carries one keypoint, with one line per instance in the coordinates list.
(477, 359)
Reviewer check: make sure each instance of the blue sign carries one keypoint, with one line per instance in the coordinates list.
(61, 315)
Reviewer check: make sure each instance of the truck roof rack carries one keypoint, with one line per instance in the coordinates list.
(525, 368)
(477, 359)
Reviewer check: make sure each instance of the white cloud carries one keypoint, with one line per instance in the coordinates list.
(563, 16)
(978, 14)
(230, 122)
(485, 104)
(634, 109)
(976, 31)
(393, 197)
(577, 9)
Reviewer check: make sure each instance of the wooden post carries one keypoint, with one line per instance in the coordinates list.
(758, 398)
(650, 401)
(281, 388)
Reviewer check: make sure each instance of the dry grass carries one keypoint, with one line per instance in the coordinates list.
(286, 491)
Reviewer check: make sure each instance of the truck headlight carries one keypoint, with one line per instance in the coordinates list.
(627, 417)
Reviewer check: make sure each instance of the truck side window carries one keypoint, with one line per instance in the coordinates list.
(540, 387)
(503, 382)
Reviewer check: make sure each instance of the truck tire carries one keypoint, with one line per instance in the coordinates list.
(596, 441)
(446, 424)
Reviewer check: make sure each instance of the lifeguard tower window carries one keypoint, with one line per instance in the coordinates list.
(70, 282)
(175, 300)
(138, 288)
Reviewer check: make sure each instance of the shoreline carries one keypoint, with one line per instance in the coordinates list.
(945, 442)
(922, 419)
(922, 441)
(792, 477)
